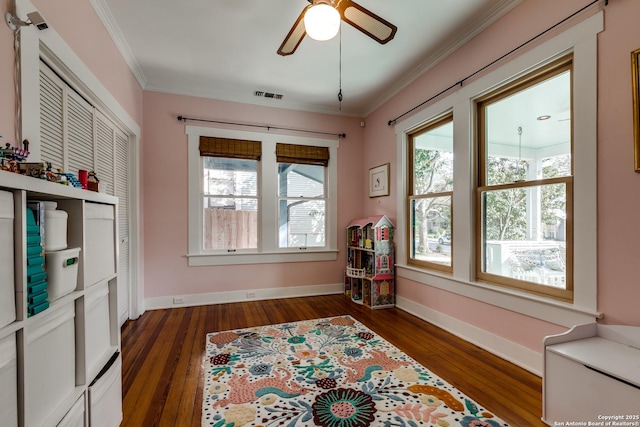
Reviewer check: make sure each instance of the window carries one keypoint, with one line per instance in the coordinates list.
(560, 177)
(229, 193)
(431, 190)
(301, 195)
(524, 194)
(260, 197)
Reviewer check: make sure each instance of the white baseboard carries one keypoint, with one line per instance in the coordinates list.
(508, 350)
(192, 300)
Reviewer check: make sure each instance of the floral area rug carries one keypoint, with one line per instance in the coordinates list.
(326, 372)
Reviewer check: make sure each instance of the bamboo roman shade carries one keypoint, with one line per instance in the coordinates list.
(226, 147)
(302, 154)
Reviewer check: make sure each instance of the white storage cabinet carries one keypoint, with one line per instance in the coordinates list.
(8, 381)
(105, 394)
(7, 298)
(76, 415)
(591, 372)
(51, 361)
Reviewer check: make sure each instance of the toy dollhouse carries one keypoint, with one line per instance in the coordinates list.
(369, 276)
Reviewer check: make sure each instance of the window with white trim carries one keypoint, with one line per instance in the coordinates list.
(260, 197)
(525, 183)
(567, 172)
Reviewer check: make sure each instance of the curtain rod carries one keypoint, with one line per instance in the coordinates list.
(184, 119)
(461, 82)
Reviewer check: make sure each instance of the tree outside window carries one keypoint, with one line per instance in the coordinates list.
(431, 178)
(525, 183)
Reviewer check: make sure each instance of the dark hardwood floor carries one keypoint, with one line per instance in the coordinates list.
(163, 357)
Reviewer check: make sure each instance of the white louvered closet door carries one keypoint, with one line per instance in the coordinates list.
(73, 136)
(121, 186)
(51, 118)
(79, 138)
(105, 136)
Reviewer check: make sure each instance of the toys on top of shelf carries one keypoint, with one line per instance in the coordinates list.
(15, 153)
(93, 182)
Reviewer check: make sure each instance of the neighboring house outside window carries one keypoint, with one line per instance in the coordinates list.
(302, 195)
(260, 197)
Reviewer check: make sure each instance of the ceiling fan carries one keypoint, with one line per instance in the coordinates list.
(352, 13)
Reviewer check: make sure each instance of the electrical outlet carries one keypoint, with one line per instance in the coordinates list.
(251, 294)
(178, 300)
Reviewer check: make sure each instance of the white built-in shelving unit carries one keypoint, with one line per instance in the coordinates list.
(61, 366)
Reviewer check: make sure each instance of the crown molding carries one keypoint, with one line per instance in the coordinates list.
(105, 15)
(475, 27)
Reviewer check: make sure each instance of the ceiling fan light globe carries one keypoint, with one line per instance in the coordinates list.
(322, 22)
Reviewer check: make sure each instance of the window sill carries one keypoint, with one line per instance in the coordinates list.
(260, 258)
(539, 307)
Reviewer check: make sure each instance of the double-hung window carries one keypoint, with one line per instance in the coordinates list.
(302, 196)
(431, 191)
(525, 183)
(229, 193)
(260, 197)
(524, 194)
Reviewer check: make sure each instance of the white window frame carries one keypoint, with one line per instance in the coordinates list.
(268, 250)
(582, 41)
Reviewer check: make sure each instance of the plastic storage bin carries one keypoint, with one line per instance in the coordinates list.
(55, 225)
(105, 396)
(98, 333)
(62, 271)
(8, 381)
(49, 363)
(7, 291)
(99, 243)
(75, 416)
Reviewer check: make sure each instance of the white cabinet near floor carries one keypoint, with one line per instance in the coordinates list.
(60, 353)
(592, 376)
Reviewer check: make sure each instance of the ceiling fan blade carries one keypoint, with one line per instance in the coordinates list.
(366, 21)
(295, 36)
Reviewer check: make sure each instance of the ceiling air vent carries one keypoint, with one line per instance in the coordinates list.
(268, 94)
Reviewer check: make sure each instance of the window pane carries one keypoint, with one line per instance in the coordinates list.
(230, 204)
(524, 131)
(302, 223)
(433, 160)
(230, 223)
(225, 176)
(296, 180)
(525, 233)
(431, 229)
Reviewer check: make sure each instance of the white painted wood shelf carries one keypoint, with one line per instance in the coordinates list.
(61, 364)
(592, 375)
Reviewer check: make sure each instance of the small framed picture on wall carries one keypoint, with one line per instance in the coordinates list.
(379, 181)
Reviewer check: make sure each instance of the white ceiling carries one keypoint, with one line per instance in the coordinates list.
(226, 49)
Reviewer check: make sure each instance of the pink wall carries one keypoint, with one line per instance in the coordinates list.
(165, 199)
(164, 182)
(618, 185)
(81, 28)
(79, 25)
